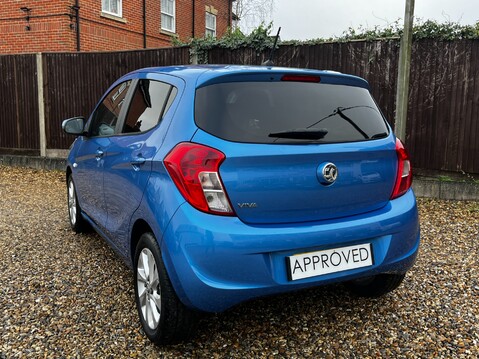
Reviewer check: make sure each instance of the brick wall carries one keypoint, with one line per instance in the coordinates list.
(49, 26)
(53, 29)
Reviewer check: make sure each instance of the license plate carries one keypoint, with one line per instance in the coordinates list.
(318, 263)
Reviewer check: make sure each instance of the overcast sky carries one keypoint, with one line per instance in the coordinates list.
(310, 19)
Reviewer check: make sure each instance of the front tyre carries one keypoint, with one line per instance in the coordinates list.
(164, 318)
(77, 222)
(375, 286)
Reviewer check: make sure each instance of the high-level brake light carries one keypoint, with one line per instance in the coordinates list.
(301, 78)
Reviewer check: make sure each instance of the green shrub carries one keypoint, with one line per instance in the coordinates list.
(261, 39)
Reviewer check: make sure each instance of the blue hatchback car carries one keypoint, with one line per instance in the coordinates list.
(218, 184)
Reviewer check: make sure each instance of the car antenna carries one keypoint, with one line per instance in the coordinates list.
(270, 62)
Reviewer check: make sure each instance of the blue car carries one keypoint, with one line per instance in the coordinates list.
(219, 184)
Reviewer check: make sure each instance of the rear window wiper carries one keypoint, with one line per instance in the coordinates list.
(301, 133)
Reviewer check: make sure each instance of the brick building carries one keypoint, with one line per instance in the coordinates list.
(107, 25)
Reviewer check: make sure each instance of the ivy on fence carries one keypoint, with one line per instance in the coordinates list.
(261, 39)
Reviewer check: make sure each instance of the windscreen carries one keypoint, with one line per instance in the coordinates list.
(288, 112)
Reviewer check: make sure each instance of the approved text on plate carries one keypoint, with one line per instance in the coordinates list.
(312, 264)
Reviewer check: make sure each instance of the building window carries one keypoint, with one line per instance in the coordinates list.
(168, 15)
(210, 25)
(111, 7)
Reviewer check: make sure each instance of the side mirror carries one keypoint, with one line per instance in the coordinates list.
(74, 126)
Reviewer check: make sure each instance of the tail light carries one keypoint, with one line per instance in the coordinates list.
(194, 169)
(404, 171)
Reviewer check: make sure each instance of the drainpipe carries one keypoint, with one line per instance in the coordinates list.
(77, 15)
(193, 22)
(144, 24)
(230, 3)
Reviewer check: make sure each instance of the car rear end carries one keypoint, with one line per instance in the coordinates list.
(292, 179)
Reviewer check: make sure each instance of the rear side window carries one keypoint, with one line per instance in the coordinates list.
(149, 103)
(288, 112)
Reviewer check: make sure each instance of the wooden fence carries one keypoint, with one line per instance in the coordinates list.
(443, 105)
(19, 131)
(72, 84)
(443, 114)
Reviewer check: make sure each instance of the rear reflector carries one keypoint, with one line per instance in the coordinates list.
(301, 78)
(194, 169)
(404, 171)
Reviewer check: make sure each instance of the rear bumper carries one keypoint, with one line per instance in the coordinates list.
(216, 262)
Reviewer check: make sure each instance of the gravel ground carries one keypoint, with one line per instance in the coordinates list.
(67, 295)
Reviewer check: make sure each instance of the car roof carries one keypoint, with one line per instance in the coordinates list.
(207, 74)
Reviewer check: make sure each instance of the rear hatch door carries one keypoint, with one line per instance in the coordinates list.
(298, 151)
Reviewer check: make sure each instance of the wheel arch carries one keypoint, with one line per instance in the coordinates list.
(68, 172)
(139, 227)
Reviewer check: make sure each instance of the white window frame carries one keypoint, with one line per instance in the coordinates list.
(210, 30)
(106, 7)
(173, 16)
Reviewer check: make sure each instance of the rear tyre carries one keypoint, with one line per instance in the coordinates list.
(77, 222)
(164, 318)
(375, 286)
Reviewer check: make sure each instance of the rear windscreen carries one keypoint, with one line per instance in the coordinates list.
(288, 112)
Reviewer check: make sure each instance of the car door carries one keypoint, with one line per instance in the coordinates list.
(128, 164)
(93, 149)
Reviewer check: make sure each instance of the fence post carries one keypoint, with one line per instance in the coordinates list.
(403, 72)
(41, 106)
(194, 59)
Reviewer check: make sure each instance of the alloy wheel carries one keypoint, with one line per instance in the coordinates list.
(149, 291)
(72, 203)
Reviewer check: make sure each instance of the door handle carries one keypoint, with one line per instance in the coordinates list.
(99, 154)
(136, 162)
